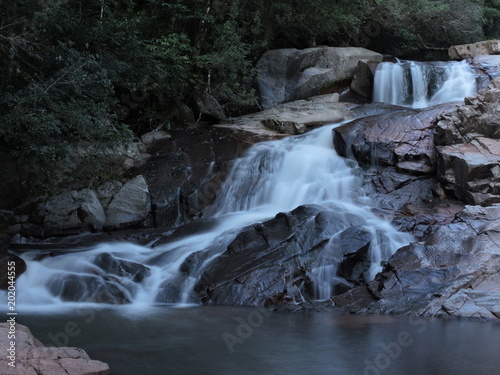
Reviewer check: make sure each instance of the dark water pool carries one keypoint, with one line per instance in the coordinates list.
(230, 341)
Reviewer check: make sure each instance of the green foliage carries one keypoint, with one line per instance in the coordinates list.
(92, 72)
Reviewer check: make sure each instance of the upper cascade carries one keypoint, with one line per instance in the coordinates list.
(423, 84)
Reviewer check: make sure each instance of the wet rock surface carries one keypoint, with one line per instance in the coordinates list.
(453, 273)
(273, 263)
(33, 358)
(403, 139)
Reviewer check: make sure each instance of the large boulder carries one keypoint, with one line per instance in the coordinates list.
(283, 259)
(362, 83)
(468, 151)
(454, 273)
(33, 358)
(130, 206)
(403, 139)
(72, 211)
(467, 51)
(291, 74)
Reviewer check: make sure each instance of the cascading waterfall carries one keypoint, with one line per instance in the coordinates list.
(420, 84)
(272, 177)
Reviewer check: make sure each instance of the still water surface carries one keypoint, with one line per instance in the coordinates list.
(230, 341)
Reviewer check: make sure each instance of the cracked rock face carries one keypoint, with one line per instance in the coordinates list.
(32, 358)
(468, 148)
(454, 273)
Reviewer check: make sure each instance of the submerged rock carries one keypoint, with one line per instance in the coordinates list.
(33, 358)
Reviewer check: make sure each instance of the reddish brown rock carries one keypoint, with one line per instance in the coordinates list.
(32, 358)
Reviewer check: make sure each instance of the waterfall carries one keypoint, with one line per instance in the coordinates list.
(420, 84)
(271, 177)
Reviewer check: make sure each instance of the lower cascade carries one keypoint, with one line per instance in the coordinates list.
(272, 177)
(423, 84)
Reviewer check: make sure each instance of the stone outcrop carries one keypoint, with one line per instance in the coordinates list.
(207, 108)
(467, 51)
(453, 273)
(403, 139)
(130, 206)
(291, 74)
(274, 263)
(468, 151)
(33, 358)
(73, 209)
(362, 83)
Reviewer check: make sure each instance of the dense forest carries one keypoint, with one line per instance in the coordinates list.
(96, 73)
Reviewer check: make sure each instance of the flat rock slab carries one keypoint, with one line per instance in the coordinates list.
(32, 358)
(294, 117)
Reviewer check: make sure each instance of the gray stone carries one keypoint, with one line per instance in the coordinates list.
(32, 358)
(107, 191)
(73, 210)
(207, 108)
(154, 136)
(453, 273)
(467, 51)
(362, 83)
(130, 206)
(291, 74)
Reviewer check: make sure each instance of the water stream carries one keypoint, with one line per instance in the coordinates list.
(272, 177)
(423, 84)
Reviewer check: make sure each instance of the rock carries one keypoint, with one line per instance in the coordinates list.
(119, 267)
(10, 265)
(362, 83)
(118, 159)
(276, 262)
(154, 136)
(454, 273)
(294, 117)
(72, 211)
(291, 74)
(107, 191)
(207, 108)
(467, 51)
(472, 170)
(130, 206)
(412, 204)
(468, 149)
(403, 139)
(184, 114)
(91, 288)
(32, 358)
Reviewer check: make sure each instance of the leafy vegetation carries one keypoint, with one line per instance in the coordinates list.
(99, 72)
